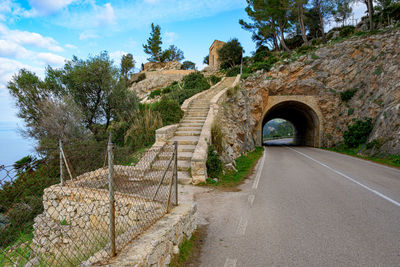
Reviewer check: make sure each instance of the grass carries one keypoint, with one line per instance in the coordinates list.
(189, 250)
(389, 160)
(18, 253)
(244, 165)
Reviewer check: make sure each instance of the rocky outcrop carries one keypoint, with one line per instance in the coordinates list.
(369, 65)
(157, 66)
(155, 80)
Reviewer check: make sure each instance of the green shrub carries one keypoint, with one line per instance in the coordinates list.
(261, 55)
(216, 137)
(316, 41)
(350, 111)
(348, 94)
(195, 80)
(214, 164)
(304, 49)
(346, 31)
(378, 71)
(358, 133)
(214, 79)
(155, 93)
(169, 109)
(314, 57)
(141, 133)
(192, 84)
(234, 71)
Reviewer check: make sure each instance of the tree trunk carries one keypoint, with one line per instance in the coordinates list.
(370, 7)
(282, 39)
(301, 22)
(276, 45)
(321, 20)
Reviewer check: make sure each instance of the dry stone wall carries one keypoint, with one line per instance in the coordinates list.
(77, 219)
(156, 246)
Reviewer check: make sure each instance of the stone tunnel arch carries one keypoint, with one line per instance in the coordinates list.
(302, 112)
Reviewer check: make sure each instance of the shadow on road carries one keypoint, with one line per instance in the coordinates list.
(280, 142)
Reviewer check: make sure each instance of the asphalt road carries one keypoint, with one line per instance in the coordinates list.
(306, 207)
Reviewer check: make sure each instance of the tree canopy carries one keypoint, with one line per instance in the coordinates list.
(154, 42)
(230, 54)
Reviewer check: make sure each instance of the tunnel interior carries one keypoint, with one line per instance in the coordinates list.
(301, 116)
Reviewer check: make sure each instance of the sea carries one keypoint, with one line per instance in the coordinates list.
(13, 147)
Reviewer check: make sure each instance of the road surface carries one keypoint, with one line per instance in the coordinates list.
(306, 207)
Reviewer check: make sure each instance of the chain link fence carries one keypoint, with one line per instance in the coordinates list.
(84, 219)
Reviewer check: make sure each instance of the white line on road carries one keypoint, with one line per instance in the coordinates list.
(230, 262)
(241, 230)
(349, 178)
(250, 200)
(260, 168)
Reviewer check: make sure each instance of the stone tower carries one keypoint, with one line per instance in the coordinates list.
(213, 56)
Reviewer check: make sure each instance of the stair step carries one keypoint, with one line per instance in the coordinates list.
(193, 120)
(191, 124)
(189, 128)
(184, 140)
(195, 117)
(187, 133)
(181, 155)
(160, 165)
(183, 176)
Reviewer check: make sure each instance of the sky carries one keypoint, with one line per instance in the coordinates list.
(37, 33)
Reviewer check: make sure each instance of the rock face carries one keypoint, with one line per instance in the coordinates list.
(156, 80)
(369, 65)
(156, 75)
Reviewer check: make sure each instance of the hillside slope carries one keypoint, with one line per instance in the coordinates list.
(369, 65)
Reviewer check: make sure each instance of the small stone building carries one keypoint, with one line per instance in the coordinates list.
(213, 56)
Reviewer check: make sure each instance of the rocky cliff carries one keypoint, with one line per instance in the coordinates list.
(369, 66)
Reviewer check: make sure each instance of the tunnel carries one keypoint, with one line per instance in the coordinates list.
(303, 118)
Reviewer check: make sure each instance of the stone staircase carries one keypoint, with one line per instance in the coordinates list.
(189, 130)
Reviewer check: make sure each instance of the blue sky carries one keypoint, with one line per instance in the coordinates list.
(37, 33)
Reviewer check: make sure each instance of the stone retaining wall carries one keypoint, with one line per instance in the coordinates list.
(156, 246)
(75, 221)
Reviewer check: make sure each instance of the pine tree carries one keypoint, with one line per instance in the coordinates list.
(153, 46)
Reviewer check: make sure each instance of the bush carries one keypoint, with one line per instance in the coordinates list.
(214, 164)
(234, 71)
(214, 79)
(192, 84)
(304, 49)
(169, 109)
(261, 55)
(155, 93)
(346, 31)
(348, 94)
(358, 133)
(216, 137)
(141, 133)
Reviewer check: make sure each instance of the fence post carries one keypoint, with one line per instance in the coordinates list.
(111, 194)
(61, 164)
(176, 172)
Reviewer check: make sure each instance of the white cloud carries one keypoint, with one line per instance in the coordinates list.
(29, 38)
(46, 7)
(105, 14)
(117, 55)
(51, 59)
(70, 46)
(12, 50)
(170, 37)
(87, 35)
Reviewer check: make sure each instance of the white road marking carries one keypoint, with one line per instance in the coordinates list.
(260, 168)
(230, 262)
(250, 200)
(358, 159)
(241, 230)
(349, 178)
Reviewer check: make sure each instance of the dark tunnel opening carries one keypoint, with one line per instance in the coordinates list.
(303, 118)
